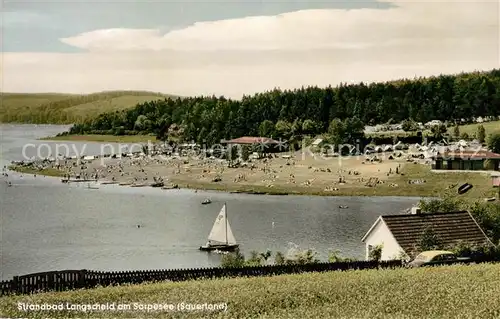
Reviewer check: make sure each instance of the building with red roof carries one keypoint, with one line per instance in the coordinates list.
(263, 144)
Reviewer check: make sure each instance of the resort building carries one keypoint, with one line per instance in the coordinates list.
(467, 160)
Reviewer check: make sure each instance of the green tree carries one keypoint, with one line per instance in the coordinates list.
(232, 153)
(266, 128)
(376, 253)
(336, 130)
(335, 257)
(481, 134)
(309, 127)
(438, 131)
(409, 125)
(175, 133)
(429, 240)
(353, 130)
(456, 131)
(254, 260)
(279, 258)
(464, 136)
(494, 142)
(140, 123)
(487, 216)
(307, 256)
(441, 205)
(245, 152)
(283, 129)
(233, 260)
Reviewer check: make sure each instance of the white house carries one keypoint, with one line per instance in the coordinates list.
(399, 235)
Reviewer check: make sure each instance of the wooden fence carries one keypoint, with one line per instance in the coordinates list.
(82, 279)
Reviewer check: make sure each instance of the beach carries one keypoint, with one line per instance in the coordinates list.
(383, 174)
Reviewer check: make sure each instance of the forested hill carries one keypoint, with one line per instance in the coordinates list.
(308, 110)
(54, 108)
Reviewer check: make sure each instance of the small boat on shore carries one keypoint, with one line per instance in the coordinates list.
(158, 184)
(206, 201)
(108, 182)
(490, 199)
(138, 185)
(221, 236)
(125, 183)
(78, 180)
(175, 186)
(464, 188)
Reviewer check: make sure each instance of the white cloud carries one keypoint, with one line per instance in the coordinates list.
(237, 56)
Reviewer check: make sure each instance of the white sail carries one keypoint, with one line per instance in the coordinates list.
(221, 231)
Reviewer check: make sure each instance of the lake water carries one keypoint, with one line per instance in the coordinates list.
(47, 225)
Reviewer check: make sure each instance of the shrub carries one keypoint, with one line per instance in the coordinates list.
(233, 260)
(376, 253)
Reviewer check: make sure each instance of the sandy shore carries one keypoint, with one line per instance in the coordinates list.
(296, 173)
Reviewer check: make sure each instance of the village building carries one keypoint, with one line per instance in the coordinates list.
(400, 235)
(466, 160)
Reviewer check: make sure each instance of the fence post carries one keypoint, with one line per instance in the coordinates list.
(81, 278)
(15, 284)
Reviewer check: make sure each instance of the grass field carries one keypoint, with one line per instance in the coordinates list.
(439, 292)
(68, 108)
(30, 170)
(471, 129)
(104, 138)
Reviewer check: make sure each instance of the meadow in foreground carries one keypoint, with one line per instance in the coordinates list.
(441, 292)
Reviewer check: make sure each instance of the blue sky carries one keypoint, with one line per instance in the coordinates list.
(234, 48)
(34, 26)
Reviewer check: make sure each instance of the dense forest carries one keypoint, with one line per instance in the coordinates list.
(310, 110)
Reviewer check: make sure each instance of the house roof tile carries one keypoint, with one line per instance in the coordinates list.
(451, 228)
(252, 140)
(470, 155)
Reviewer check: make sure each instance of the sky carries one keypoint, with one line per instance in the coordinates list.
(240, 47)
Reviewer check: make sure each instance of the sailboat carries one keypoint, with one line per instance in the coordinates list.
(221, 236)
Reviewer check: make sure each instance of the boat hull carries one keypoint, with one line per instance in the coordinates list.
(219, 247)
(464, 188)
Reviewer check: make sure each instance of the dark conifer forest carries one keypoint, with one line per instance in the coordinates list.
(308, 110)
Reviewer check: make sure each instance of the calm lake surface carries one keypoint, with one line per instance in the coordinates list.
(47, 225)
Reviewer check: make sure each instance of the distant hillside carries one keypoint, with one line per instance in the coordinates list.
(54, 108)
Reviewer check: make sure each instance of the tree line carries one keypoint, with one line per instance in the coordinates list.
(311, 110)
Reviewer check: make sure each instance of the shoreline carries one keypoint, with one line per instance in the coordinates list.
(250, 190)
(418, 191)
(394, 173)
(235, 190)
